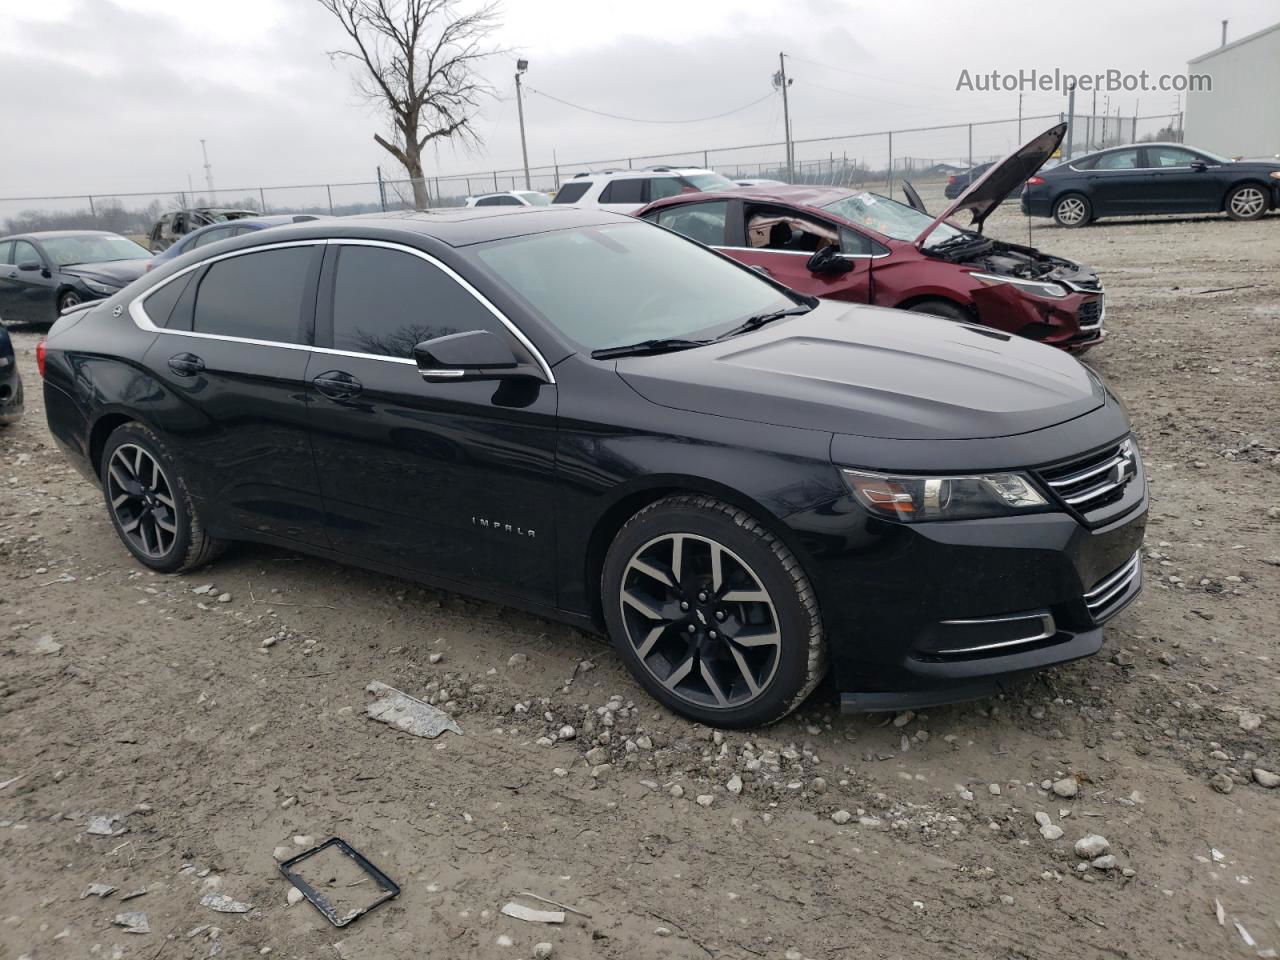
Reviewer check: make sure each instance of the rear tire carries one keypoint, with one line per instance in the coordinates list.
(944, 309)
(726, 631)
(150, 505)
(1072, 210)
(1247, 202)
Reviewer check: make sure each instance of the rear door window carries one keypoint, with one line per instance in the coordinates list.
(1170, 157)
(572, 192)
(386, 302)
(1118, 160)
(159, 305)
(660, 187)
(704, 222)
(6, 252)
(256, 296)
(630, 190)
(211, 236)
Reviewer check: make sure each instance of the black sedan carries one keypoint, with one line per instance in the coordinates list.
(594, 418)
(1152, 178)
(10, 382)
(42, 274)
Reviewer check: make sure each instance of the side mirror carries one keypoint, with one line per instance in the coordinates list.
(31, 265)
(474, 355)
(1199, 166)
(828, 260)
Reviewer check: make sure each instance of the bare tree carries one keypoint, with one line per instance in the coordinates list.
(420, 59)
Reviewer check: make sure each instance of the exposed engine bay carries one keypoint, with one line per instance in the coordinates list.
(1014, 260)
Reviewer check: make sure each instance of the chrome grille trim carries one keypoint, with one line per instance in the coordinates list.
(1047, 629)
(1094, 481)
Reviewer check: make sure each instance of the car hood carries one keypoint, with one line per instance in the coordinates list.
(990, 190)
(873, 372)
(115, 272)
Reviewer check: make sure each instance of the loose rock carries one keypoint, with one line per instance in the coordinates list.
(1265, 778)
(1066, 787)
(1091, 846)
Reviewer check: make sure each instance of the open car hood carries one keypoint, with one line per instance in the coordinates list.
(988, 191)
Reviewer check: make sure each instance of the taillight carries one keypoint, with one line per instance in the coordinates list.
(40, 358)
(1035, 182)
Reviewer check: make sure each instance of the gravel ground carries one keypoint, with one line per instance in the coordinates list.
(224, 727)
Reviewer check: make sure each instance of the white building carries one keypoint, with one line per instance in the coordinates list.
(1240, 116)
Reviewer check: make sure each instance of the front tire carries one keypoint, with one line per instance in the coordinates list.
(150, 505)
(68, 300)
(712, 613)
(1072, 210)
(1246, 202)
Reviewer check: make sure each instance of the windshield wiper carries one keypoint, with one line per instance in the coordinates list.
(760, 319)
(664, 345)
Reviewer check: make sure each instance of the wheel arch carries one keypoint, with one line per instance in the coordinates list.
(1262, 185)
(103, 425)
(945, 297)
(629, 501)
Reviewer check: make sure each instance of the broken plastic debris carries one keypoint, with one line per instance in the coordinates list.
(133, 922)
(224, 904)
(338, 867)
(532, 915)
(407, 713)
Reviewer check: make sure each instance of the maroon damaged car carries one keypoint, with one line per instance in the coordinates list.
(855, 245)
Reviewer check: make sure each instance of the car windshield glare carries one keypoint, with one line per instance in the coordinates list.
(536, 199)
(890, 218)
(707, 182)
(92, 248)
(622, 283)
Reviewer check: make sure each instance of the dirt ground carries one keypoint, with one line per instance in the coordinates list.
(151, 699)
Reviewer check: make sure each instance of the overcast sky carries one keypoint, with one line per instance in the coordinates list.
(114, 95)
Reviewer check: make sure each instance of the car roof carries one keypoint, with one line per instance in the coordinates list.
(52, 234)
(455, 226)
(804, 195)
(647, 172)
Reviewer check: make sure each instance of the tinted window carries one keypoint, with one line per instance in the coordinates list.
(703, 222)
(24, 252)
(851, 241)
(1170, 157)
(1118, 160)
(211, 236)
(624, 191)
(386, 302)
(159, 306)
(6, 252)
(258, 295)
(620, 283)
(572, 192)
(660, 187)
(487, 202)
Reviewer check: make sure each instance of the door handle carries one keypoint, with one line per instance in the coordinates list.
(337, 385)
(186, 364)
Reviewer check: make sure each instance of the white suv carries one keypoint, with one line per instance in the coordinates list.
(626, 191)
(510, 198)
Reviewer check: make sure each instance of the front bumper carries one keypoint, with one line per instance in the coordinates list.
(930, 613)
(1073, 323)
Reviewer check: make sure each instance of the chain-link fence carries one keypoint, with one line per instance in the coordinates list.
(873, 159)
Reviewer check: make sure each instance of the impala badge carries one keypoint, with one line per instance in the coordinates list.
(499, 526)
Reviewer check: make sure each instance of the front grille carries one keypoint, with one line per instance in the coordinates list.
(1112, 591)
(1089, 316)
(1097, 480)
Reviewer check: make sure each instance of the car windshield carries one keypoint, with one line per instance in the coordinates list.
(622, 283)
(707, 182)
(535, 199)
(890, 218)
(92, 248)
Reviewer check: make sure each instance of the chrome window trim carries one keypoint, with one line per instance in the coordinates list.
(137, 307)
(802, 253)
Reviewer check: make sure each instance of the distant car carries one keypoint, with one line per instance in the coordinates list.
(510, 198)
(179, 223)
(42, 274)
(626, 191)
(10, 382)
(958, 183)
(854, 245)
(1150, 178)
(758, 182)
(221, 231)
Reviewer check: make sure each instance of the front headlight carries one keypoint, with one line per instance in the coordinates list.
(1039, 288)
(97, 286)
(912, 499)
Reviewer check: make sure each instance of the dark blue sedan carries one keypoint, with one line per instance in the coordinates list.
(214, 232)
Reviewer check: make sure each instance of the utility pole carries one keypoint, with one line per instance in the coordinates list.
(1019, 119)
(521, 67)
(781, 82)
(1071, 116)
(1093, 117)
(208, 170)
(1224, 33)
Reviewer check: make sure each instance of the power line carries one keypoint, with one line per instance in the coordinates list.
(614, 116)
